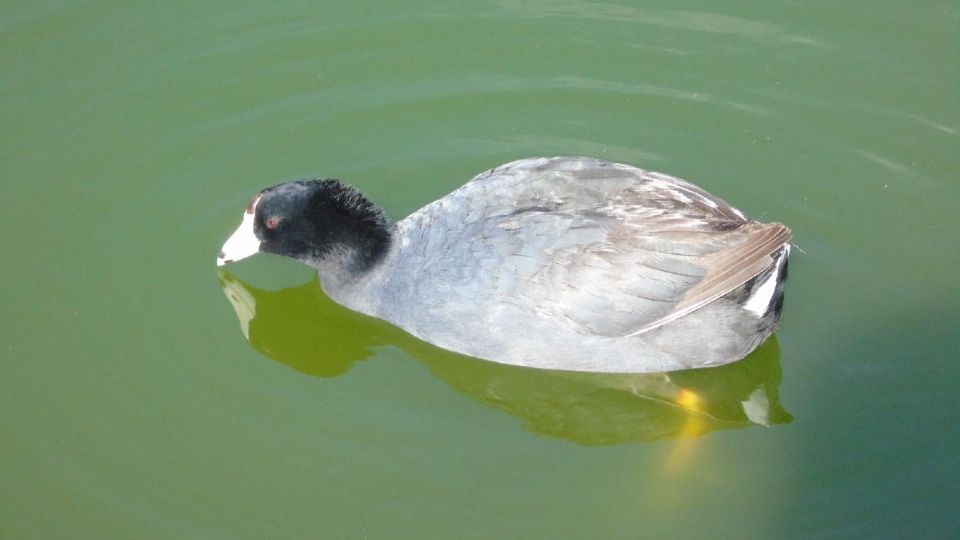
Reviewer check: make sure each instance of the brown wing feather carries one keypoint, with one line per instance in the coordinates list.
(728, 269)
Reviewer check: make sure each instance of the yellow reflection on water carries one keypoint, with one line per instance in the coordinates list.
(693, 426)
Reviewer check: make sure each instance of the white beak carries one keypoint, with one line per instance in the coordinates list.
(242, 243)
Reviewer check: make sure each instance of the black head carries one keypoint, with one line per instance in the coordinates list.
(319, 222)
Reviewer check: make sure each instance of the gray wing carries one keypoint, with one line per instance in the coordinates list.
(605, 248)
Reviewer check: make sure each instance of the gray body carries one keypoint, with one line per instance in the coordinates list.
(578, 264)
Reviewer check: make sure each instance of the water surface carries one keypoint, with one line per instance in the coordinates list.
(135, 402)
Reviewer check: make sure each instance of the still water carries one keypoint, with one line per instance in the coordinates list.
(145, 394)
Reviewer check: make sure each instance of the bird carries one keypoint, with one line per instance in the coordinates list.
(565, 263)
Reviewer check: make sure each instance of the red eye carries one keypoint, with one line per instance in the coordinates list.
(272, 222)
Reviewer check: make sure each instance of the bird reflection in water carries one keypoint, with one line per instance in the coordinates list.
(300, 327)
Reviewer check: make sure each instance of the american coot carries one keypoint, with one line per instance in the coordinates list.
(568, 263)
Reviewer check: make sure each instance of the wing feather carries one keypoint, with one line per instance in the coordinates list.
(605, 248)
(727, 270)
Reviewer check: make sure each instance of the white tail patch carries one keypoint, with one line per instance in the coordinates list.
(762, 295)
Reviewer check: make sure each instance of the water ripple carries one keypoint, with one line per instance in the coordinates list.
(696, 21)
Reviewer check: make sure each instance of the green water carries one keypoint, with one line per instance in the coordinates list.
(135, 402)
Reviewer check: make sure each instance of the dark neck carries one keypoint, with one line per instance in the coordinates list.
(354, 233)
